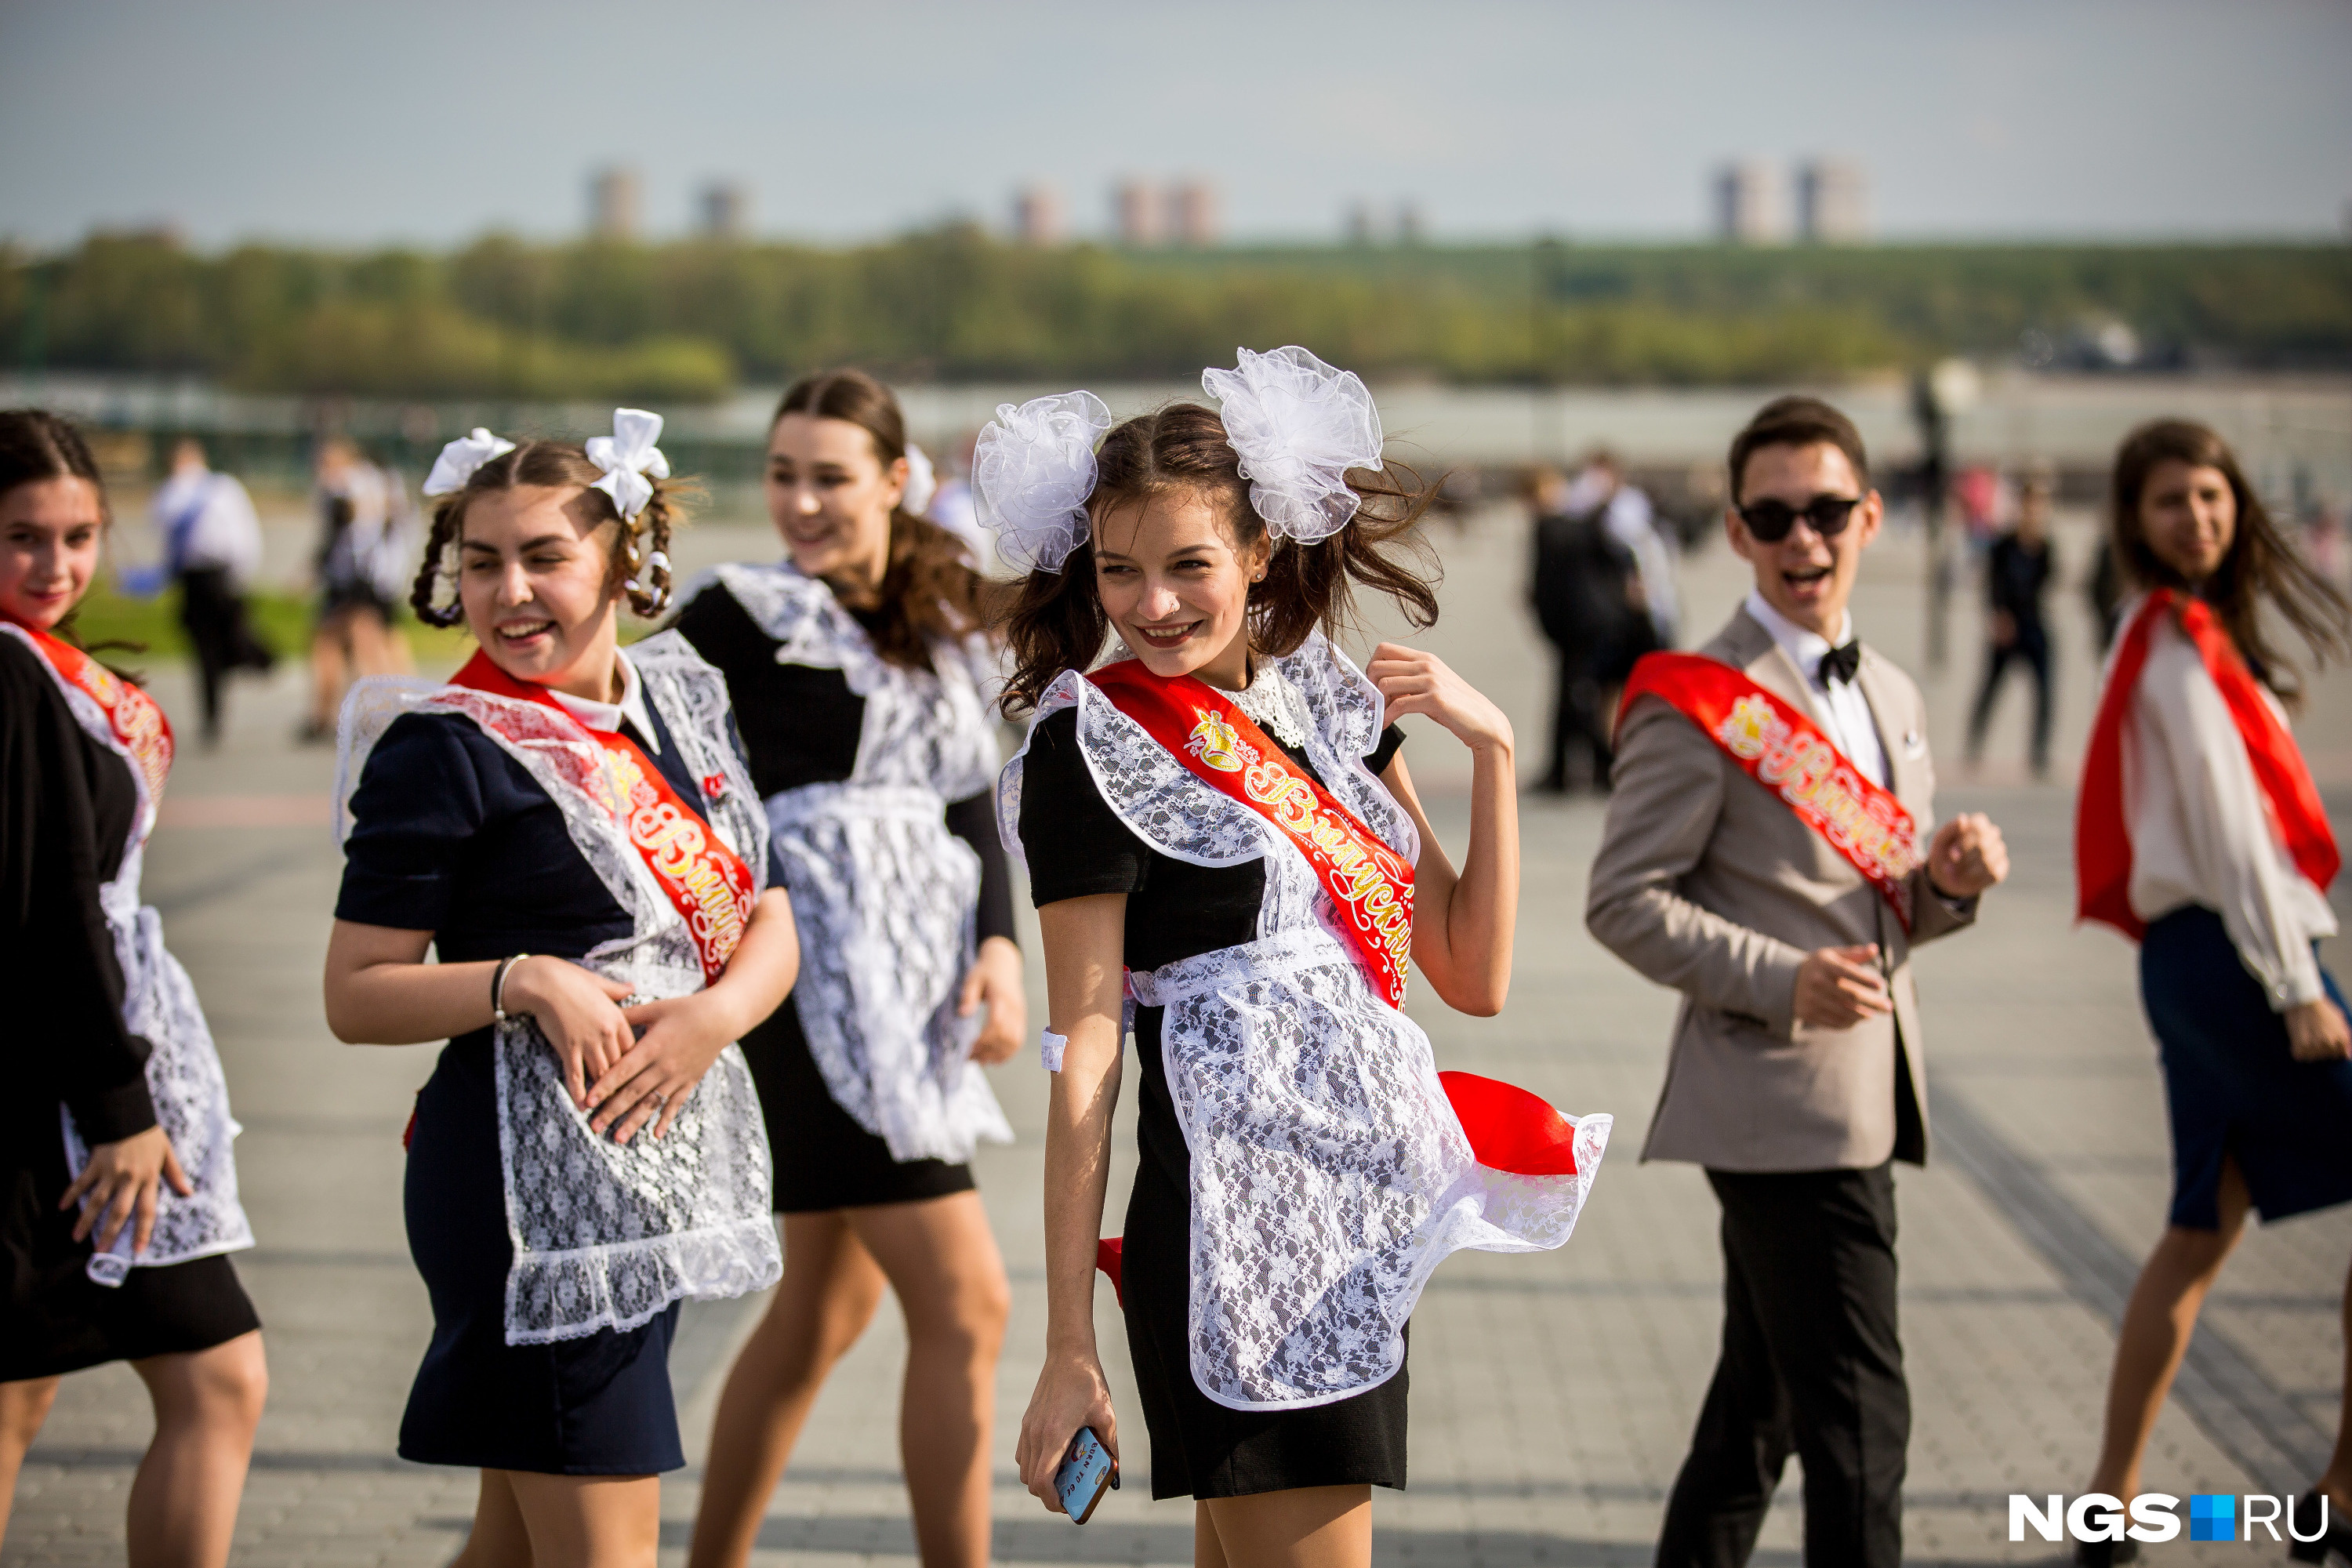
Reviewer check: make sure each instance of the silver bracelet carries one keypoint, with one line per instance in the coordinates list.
(498, 986)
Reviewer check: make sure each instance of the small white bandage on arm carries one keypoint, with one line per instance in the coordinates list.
(1050, 1047)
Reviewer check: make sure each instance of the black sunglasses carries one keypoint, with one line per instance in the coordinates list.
(1771, 521)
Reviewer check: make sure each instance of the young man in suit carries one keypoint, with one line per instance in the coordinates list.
(1763, 856)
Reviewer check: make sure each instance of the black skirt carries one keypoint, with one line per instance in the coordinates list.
(1199, 1448)
(54, 1319)
(824, 1159)
(597, 1405)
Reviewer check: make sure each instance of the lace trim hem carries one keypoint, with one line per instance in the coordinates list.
(626, 1285)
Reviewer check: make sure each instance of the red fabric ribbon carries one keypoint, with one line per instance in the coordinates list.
(1509, 1129)
(2103, 851)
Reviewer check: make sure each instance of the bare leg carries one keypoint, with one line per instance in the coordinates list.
(372, 642)
(24, 1406)
(1311, 1527)
(499, 1539)
(830, 1288)
(184, 1500)
(2157, 1324)
(587, 1522)
(943, 1266)
(328, 669)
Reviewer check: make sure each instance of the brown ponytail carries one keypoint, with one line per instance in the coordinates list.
(1056, 621)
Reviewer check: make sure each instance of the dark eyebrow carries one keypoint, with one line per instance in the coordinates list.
(528, 545)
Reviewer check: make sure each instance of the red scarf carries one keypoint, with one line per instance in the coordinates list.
(705, 880)
(2102, 852)
(136, 719)
(1785, 752)
(1224, 748)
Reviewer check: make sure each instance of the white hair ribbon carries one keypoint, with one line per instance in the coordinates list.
(629, 456)
(1298, 425)
(1032, 471)
(922, 482)
(460, 458)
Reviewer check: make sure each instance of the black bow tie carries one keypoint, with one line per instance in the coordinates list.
(1840, 663)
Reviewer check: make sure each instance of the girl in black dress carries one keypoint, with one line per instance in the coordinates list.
(573, 830)
(1221, 812)
(118, 1213)
(862, 682)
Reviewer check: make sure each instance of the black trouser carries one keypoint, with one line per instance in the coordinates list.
(2031, 644)
(1577, 719)
(1812, 1365)
(214, 614)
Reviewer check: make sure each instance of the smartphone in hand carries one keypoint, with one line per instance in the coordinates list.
(1085, 1473)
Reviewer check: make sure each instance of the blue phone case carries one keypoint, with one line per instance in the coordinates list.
(1085, 1475)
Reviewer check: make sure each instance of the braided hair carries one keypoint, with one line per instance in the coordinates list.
(640, 561)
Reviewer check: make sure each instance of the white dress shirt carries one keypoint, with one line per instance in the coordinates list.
(1846, 716)
(2201, 831)
(607, 715)
(223, 533)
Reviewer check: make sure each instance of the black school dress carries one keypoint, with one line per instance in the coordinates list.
(67, 807)
(801, 726)
(1076, 847)
(452, 835)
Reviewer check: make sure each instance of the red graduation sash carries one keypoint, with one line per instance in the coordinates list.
(135, 718)
(1785, 752)
(2102, 852)
(707, 881)
(1224, 748)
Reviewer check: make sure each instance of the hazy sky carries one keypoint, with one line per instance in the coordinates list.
(423, 122)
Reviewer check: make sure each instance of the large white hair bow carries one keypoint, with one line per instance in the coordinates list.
(1032, 472)
(460, 457)
(1300, 425)
(922, 482)
(630, 460)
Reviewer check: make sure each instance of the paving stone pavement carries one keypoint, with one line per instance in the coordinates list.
(1552, 1394)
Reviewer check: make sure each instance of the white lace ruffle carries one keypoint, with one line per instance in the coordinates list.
(184, 1070)
(1331, 1175)
(884, 895)
(607, 1235)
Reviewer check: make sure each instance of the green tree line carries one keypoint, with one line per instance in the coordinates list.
(684, 321)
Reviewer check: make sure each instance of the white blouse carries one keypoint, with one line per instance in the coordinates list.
(2201, 830)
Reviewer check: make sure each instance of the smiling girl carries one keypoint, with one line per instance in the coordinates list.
(863, 679)
(1227, 850)
(121, 1186)
(572, 830)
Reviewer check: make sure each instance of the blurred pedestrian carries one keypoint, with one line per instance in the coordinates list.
(861, 680)
(575, 1168)
(119, 1213)
(1602, 488)
(2018, 569)
(211, 548)
(1586, 589)
(2104, 588)
(2200, 835)
(1798, 1068)
(366, 553)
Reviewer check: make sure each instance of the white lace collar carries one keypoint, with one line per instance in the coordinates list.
(1275, 703)
(607, 715)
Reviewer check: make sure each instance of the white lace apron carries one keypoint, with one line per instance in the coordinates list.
(885, 896)
(184, 1070)
(607, 1235)
(1329, 1174)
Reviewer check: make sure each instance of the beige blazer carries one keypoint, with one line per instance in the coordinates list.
(1708, 882)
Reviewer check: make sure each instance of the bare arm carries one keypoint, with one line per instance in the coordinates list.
(1462, 922)
(1085, 942)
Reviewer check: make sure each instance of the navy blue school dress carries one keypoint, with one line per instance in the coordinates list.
(453, 836)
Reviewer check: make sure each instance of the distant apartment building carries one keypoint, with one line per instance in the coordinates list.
(1192, 214)
(615, 207)
(723, 211)
(1038, 216)
(1136, 215)
(1832, 201)
(1749, 204)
